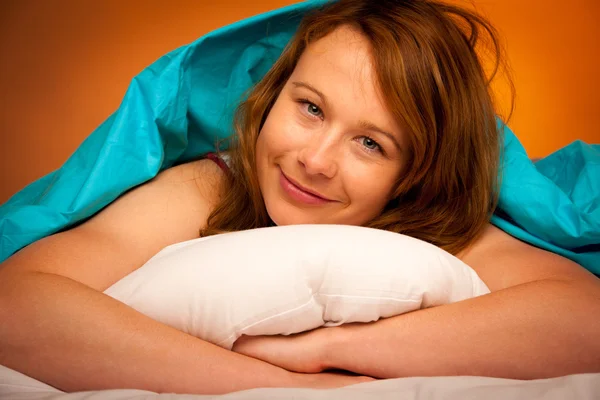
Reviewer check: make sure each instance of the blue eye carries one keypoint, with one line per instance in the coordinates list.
(311, 108)
(370, 144)
(314, 110)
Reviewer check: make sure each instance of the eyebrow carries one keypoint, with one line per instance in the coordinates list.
(366, 125)
(312, 89)
(372, 127)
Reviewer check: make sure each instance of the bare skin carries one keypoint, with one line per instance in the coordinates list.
(58, 326)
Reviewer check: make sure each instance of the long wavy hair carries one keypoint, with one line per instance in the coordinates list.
(431, 74)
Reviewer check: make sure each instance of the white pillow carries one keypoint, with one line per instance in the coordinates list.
(290, 279)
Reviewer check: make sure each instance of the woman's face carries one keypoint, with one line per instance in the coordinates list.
(329, 151)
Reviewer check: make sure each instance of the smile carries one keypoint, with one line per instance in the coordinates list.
(300, 194)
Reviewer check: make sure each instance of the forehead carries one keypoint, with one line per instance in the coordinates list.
(341, 66)
(341, 57)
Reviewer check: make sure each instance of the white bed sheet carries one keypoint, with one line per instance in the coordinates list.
(16, 386)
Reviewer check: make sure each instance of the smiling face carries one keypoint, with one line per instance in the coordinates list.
(329, 151)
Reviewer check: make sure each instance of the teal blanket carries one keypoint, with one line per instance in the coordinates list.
(176, 108)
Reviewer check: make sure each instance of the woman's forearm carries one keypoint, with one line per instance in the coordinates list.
(535, 330)
(74, 338)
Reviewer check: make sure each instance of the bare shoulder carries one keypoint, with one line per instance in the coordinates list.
(502, 261)
(204, 175)
(180, 197)
(170, 208)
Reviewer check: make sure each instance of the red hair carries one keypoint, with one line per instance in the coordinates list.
(432, 79)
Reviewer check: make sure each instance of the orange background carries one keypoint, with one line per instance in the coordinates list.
(65, 66)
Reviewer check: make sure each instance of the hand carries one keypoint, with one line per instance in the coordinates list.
(303, 352)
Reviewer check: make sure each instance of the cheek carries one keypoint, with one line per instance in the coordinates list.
(268, 137)
(283, 131)
(271, 145)
(371, 188)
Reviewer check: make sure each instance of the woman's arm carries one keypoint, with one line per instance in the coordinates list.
(57, 325)
(541, 320)
(75, 338)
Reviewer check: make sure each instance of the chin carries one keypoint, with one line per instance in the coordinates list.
(289, 215)
(283, 220)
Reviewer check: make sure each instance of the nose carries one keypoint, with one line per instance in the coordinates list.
(318, 157)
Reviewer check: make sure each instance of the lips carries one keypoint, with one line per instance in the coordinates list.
(300, 193)
(317, 194)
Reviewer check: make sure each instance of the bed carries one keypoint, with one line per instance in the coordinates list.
(16, 386)
(551, 203)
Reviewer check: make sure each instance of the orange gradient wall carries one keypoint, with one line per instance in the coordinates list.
(65, 65)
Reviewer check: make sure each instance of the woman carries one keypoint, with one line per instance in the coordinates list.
(378, 114)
